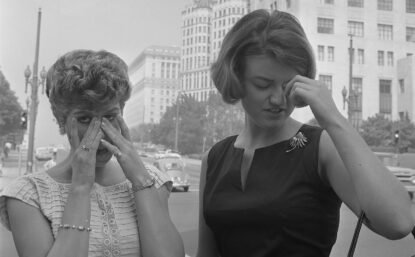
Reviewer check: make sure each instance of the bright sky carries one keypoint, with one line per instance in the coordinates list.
(124, 27)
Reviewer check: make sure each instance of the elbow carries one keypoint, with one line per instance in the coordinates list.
(400, 229)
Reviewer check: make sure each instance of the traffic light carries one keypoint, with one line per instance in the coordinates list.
(396, 136)
(23, 120)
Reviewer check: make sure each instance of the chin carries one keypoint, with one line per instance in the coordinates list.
(101, 161)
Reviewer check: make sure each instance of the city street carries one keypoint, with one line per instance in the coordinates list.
(184, 212)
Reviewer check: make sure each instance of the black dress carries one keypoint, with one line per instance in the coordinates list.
(285, 210)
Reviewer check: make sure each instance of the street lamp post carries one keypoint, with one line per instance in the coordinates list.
(176, 136)
(351, 98)
(34, 82)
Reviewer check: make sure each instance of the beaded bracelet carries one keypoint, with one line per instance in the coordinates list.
(80, 228)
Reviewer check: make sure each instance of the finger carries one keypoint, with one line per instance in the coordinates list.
(93, 130)
(97, 140)
(125, 132)
(112, 133)
(298, 94)
(74, 133)
(112, 148)
(89, 136)
(296, 79)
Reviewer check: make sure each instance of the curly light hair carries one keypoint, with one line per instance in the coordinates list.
(277, 34)
(86, 78)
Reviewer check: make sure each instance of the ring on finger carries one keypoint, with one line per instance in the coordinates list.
(85, 148)
(118, 154)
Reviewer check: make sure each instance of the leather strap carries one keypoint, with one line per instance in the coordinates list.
(356, 234)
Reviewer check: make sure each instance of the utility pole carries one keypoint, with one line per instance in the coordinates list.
(34, 82)
(176, 137)
(351, 101)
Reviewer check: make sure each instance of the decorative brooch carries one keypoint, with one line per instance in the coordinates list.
(297, 141)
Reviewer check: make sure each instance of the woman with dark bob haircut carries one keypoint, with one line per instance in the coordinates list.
(91, 204)
(275, 189)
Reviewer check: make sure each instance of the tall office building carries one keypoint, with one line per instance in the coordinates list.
(154, 76)
(406, 88)
(204, 24)
(383, 32)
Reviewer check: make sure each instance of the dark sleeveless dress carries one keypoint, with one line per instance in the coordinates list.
(286, 210)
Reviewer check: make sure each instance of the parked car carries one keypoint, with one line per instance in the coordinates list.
(405, 175)
(174, 167)
(44, 153)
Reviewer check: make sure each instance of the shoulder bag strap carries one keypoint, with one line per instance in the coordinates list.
(356, 234)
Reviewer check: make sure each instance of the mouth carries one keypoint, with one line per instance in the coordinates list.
(274, 110)
(102, 151)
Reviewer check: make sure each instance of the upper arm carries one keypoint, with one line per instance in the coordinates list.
(332, 168)
(164, 194)
(31, 231)
(206, 243)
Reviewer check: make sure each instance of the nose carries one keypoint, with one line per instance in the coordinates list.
(277, 96)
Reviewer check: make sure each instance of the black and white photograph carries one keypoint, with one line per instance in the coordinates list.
(207, 128)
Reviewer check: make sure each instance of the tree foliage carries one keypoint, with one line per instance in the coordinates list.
(200, 125)
(222, 119)
(379, 131)
(10, 109)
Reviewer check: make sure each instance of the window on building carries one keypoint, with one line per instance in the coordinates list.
(355, 101)
(325, 25)
(410, 34)
(410, 6)
(385, 32)
(329, 1)
(385, 97)
(357, 84)
(390, 59)
(320, 53)
(330, 53)
(385, 5)
(162, 70)
(356, 28)
(360, 56)
(402, 86)
(168, 70)
(355, 3)
(327, 80)
(381, 58)
(288, 3)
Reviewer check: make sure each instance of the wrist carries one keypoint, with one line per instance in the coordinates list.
(81, 189)
(146, 184)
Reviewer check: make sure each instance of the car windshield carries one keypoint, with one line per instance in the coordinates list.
(172, 166)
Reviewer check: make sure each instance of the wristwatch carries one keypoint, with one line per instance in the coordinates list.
(147, 184)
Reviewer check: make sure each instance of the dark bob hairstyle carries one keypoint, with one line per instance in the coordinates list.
(277, 34)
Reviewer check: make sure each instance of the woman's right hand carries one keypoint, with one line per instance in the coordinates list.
(84, 153)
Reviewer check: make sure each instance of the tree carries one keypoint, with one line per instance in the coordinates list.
(406, 134)
(377, 131)
(190, 133)
(10, 109)
(222, 119)
(142, 132)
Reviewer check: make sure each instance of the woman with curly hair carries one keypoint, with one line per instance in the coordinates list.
(91, 204)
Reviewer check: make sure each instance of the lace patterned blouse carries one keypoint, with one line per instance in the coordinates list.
(113, 212)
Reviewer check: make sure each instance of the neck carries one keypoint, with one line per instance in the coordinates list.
(254, 136)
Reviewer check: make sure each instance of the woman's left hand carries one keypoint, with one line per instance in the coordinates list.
(123, 149)
(302, 91)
